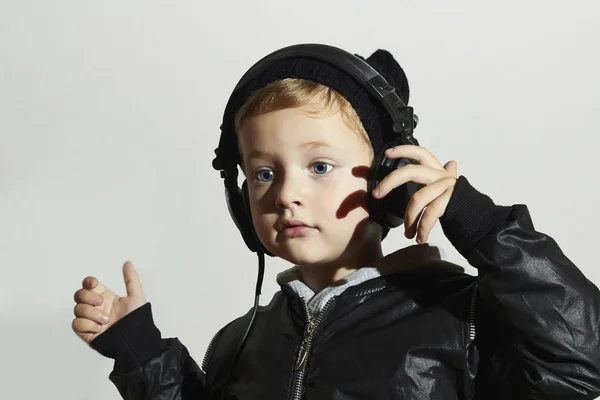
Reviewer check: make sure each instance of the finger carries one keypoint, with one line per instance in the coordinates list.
(418, 201)
(88, 297)
(431, 215)
(89, 282)
(92, 313)
(133, 284)
(84, 325)
(415, 173)
(93, 284)
(417, 153)
(452, 167)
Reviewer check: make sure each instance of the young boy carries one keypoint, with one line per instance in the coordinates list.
(348, 322)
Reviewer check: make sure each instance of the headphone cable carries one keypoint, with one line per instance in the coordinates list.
(259, 281)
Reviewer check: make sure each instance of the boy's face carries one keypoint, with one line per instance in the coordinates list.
(312, 169)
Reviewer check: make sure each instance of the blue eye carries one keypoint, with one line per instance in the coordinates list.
(321, 168)
(265, 175)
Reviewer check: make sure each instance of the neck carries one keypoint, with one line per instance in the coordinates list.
(319, 276)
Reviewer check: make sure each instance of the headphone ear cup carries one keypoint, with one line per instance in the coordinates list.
(389, 211)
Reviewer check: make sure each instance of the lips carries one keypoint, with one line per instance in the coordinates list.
(292, 223)
(294, 228)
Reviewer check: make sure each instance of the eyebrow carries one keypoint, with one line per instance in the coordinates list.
(257, 154)
(313, 144)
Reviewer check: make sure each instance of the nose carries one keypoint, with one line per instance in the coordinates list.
(290, 192)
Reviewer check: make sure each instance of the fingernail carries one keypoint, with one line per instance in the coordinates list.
(98, 299)
(105, 318)
(376, 192)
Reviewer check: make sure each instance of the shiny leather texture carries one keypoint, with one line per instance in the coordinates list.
(408, 335)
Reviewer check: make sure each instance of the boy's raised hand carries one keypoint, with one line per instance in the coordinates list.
(98, 308)
(430, 202)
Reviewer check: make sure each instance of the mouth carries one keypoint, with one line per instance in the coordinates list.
(294, 228)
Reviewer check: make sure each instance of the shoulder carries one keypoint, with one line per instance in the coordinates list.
(228, 337)
(435, 275)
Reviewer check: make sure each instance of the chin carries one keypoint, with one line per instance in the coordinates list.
(306, 260)
(306, 253)
(312, 249)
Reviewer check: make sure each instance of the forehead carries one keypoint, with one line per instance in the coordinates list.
(296, 127)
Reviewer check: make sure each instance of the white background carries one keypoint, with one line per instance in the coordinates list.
(110, 112)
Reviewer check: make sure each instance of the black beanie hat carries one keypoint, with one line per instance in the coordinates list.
(370, 111)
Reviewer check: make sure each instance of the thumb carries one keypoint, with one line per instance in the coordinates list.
(451, 166)
(133, 285)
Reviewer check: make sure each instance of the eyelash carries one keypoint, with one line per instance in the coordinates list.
(257, 173)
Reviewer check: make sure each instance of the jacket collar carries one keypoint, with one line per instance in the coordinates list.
(422, 259)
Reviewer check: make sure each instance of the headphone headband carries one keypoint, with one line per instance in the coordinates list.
(360, 70)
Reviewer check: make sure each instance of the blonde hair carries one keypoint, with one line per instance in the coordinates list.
(292, 93)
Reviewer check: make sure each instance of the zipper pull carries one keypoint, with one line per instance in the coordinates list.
(303, 350)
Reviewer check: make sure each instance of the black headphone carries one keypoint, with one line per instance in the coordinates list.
(387, 212)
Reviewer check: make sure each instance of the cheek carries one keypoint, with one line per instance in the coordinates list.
(355, 203)
(263, 216)
(263, 227)
(348, 197)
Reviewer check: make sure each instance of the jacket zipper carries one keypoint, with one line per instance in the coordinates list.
(208, 350)
(305, 347)
(472, 315)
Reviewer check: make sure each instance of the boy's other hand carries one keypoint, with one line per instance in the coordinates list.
(98, 308)
(430, 202)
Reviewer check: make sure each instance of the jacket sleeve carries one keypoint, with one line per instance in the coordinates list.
(542, 306)
(147, 366)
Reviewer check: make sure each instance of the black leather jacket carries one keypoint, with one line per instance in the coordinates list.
(525, 327)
